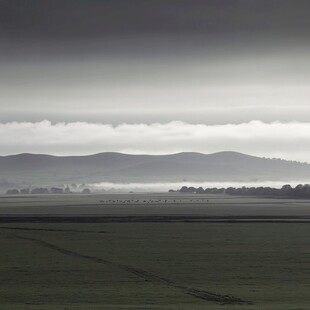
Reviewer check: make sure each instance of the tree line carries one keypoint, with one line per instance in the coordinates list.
(301, 191)
(44, 190)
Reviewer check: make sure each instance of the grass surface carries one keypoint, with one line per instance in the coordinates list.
(155, 266)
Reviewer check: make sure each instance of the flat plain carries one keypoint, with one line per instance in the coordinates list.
(154, 251)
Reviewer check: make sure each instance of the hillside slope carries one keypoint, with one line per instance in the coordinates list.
(35, 169)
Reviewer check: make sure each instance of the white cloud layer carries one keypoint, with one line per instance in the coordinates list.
(282, 140)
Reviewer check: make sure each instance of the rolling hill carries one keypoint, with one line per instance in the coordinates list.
(44, 170)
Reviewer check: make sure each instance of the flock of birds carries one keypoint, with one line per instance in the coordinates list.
(153, 201)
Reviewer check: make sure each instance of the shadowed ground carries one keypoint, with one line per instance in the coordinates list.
(155, 265)
(158, 265)
(151, 207)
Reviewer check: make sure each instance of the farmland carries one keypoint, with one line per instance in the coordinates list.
(154, 252)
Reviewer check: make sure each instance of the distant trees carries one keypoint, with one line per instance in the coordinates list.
(214, 190)
(67, 190)
(86, 191)
(200, 190)
(56, 190)
(287, 190)
(300, 191)
(39, 190)
(12, 192)
(44, 190)
(25, 191)
(186, 189)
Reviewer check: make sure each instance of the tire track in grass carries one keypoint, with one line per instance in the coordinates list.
(142, 274)
(52, 230)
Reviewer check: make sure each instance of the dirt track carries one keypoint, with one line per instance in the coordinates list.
(142, 274)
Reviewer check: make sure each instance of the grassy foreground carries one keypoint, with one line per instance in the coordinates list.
(155, 266)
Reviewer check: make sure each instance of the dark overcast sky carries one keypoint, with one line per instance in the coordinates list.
(37, 19)
(56, 27)
(213, 62)
(134, 56)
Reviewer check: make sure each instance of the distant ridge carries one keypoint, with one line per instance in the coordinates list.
(42, 169)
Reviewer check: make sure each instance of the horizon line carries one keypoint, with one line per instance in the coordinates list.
(148, 154)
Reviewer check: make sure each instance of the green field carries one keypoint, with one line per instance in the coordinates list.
(155, 266)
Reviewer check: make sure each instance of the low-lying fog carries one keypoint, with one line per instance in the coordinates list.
(159, 187)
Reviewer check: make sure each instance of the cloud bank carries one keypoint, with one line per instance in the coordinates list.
(282, 140)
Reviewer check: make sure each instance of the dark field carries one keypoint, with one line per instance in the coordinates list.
(218, 254)
(163, 206)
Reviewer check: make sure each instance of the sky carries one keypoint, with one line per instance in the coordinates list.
(155, 76)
